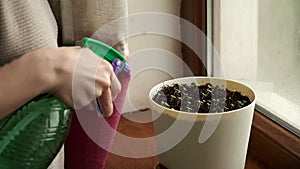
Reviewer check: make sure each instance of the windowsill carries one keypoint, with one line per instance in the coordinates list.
(273, 145)
(270, 146)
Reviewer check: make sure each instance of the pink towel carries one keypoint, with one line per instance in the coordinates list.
(81, 152)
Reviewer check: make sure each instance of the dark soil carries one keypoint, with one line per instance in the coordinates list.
(194, 98)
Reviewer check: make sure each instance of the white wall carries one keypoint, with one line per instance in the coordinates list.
(142, 57)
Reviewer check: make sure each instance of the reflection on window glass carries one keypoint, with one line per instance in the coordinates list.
(279, 55)
(260, 45)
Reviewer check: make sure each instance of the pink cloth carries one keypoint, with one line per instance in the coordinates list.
(81, 152)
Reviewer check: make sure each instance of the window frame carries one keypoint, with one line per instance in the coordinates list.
(270, 143)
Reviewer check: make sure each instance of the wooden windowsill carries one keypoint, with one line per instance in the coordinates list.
(270, 146)
(273, 145)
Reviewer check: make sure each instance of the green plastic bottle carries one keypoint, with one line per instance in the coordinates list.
(32, 136)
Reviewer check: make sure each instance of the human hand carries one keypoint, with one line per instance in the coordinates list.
(77, 77)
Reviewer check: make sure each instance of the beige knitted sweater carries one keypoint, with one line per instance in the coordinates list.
(30, 24)
(25, 25)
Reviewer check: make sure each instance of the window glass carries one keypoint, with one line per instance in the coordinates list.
(260, 45)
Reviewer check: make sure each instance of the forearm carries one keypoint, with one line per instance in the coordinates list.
(21, 81)
(50, 70)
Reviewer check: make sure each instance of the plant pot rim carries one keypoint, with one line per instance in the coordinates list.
(197, 78)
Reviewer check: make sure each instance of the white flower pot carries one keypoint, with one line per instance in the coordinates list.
(201, 140)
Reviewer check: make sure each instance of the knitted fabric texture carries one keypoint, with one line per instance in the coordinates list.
(25, 26)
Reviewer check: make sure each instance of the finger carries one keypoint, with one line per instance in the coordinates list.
(105, 101)
(115, 87)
